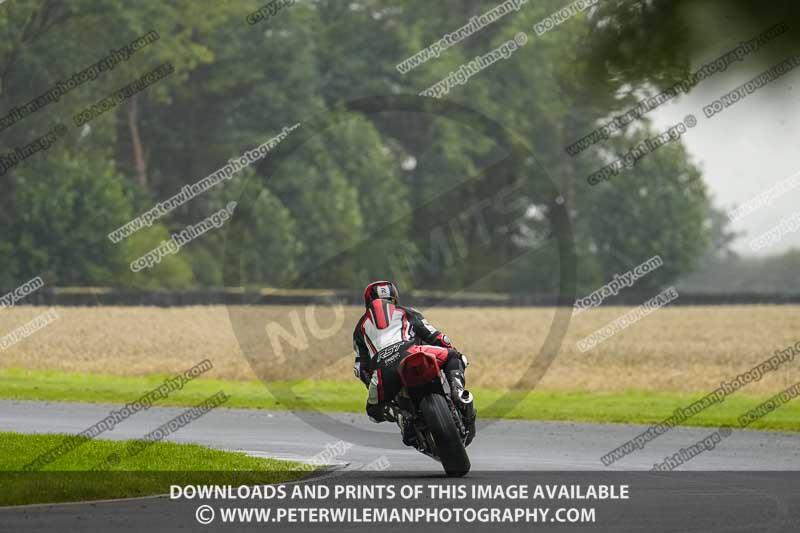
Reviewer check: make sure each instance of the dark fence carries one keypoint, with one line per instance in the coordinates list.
(177, 298)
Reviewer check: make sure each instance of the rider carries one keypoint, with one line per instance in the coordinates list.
(386, 333)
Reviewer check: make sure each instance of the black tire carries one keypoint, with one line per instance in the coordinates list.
(445, 434)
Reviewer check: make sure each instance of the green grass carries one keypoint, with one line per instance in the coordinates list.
(644, 407)
(151, 471)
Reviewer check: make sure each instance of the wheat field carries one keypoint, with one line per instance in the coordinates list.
(681, 349)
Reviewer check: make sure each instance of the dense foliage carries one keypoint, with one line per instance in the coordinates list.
(354, 194)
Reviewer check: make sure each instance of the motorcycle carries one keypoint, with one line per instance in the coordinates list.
(439, 420)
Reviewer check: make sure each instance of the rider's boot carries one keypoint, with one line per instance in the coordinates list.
(375, 412)
(407, 430)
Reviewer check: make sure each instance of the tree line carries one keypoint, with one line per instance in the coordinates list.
(398, 184)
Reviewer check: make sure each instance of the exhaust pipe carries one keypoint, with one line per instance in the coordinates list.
(465, 397)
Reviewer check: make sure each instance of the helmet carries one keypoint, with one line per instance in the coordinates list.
(384, 290)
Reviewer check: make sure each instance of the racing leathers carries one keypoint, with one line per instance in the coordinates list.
(383, 337)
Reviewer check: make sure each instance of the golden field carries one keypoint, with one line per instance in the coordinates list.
(681, 349)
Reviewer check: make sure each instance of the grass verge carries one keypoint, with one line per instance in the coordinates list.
(144, 473)
(641, 407)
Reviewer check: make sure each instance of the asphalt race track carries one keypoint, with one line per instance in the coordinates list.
(501, 445)
(502, 449)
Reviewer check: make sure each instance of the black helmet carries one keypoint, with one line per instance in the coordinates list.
(384, 290)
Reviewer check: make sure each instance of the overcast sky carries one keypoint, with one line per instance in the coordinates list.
(746, 148)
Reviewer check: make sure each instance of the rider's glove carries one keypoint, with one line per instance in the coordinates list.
(444, 340)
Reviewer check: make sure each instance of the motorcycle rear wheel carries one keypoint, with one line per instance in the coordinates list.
(446, 436)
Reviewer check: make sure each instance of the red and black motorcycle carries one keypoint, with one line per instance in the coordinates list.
(438, 418)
